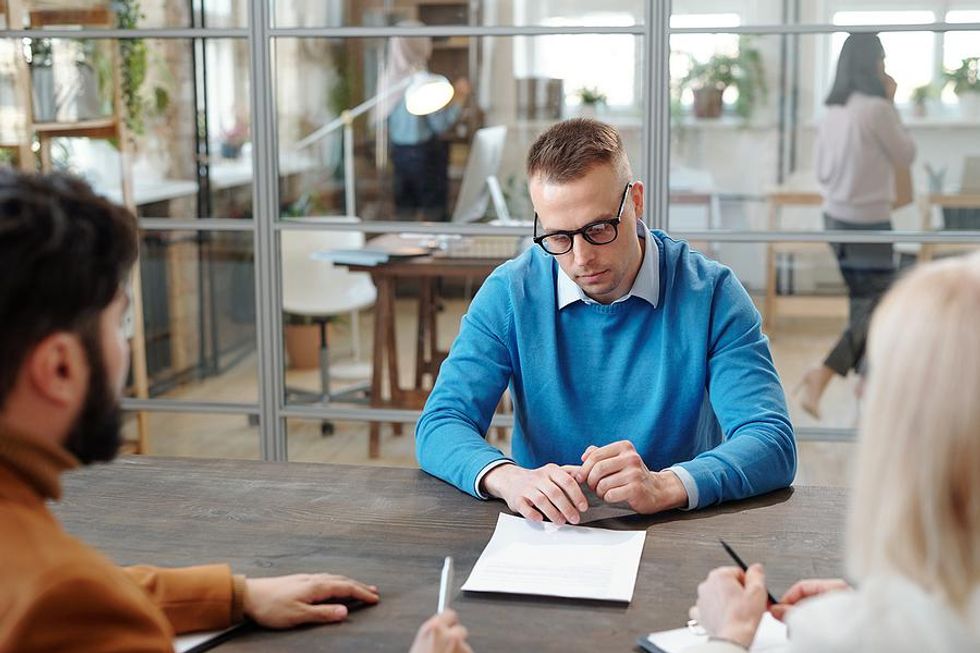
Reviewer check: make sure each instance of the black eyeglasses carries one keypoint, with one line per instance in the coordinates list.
(600, 232)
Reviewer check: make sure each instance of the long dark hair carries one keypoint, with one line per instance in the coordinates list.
(857, 69)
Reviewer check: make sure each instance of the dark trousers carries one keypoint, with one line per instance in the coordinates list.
(421, 180)
(868, 270)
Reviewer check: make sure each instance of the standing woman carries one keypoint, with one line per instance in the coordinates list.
(860, 143)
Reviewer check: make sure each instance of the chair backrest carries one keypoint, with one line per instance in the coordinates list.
(317, 287)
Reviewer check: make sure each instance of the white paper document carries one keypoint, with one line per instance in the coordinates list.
(771, 636)
(525, 557)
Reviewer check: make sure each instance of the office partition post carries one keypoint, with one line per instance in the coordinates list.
(265, 202)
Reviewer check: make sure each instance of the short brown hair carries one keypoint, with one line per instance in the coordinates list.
(569, 149)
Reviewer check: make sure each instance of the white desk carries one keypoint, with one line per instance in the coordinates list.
(148, 191)
(228, 173)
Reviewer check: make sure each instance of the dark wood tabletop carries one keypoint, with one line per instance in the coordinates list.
(392, 527)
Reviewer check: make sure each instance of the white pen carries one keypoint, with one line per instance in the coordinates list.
(445, 584)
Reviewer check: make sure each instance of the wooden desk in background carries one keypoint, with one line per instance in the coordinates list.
(944, 201)
(391, 527)
(427, 270)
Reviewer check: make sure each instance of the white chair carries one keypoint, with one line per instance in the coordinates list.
(320, 290)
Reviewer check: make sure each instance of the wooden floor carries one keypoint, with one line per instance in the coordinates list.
(796, 344)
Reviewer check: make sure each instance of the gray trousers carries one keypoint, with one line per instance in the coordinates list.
(868, 270)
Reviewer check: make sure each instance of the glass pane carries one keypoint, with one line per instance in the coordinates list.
(436, 167)
(819, 290)
(347, 443)
(134, 14)
(728, 105)
(310, 13)
(959, 48)
(382, 321)
(188, 115)
(806, 315)
(698, 13)
(198, 315)
(198, 435)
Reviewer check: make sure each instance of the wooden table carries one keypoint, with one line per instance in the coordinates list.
(392, 527)
(944, 201)
(427, 270)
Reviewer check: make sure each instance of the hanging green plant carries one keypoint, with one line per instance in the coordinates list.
(134, 58)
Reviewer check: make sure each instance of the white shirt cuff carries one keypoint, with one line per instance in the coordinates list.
(689, 485)
(483, 472)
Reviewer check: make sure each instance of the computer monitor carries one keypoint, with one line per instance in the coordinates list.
(484, 162)
(970, 179)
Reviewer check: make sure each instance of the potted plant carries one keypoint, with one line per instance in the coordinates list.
(708, 81)
(94, 92)
(966, 85)
(590, 98)
(920, 95)
(41, 61)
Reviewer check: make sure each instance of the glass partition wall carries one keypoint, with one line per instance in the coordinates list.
(250, 164)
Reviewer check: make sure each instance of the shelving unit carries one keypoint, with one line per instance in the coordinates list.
(41, 133)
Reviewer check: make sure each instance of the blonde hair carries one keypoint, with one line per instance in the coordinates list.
(916, 508)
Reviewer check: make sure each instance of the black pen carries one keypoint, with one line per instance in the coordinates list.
(744, 567)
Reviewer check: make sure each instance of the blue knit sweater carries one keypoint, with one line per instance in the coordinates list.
(690, 382)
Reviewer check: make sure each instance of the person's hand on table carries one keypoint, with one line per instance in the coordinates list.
(441, 634)
(550, 491)
(731, 603)
(287, 601)
(617, 473)
(804, 589)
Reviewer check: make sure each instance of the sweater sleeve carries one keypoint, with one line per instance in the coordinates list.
(889, 131)
(205, 597)
(758, 451)
(442, 120)
(450, 436)
(83, 609)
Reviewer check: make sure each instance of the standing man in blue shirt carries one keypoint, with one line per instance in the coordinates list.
(636, 365)
(419, 156)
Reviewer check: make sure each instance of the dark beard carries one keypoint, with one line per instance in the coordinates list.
(96, 434)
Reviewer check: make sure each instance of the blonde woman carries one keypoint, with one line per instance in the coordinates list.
(914, 528)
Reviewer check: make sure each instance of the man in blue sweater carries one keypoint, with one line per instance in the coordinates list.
(635, 364)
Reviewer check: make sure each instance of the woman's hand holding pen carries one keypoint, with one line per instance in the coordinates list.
(731, 603)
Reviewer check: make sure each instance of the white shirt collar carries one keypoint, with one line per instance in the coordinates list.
(646, 285)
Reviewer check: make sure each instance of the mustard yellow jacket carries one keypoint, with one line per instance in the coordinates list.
(57, 594)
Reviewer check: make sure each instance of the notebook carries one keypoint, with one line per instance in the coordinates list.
(770, 637)
(204, 641)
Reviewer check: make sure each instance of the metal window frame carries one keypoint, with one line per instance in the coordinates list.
(271, 407)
